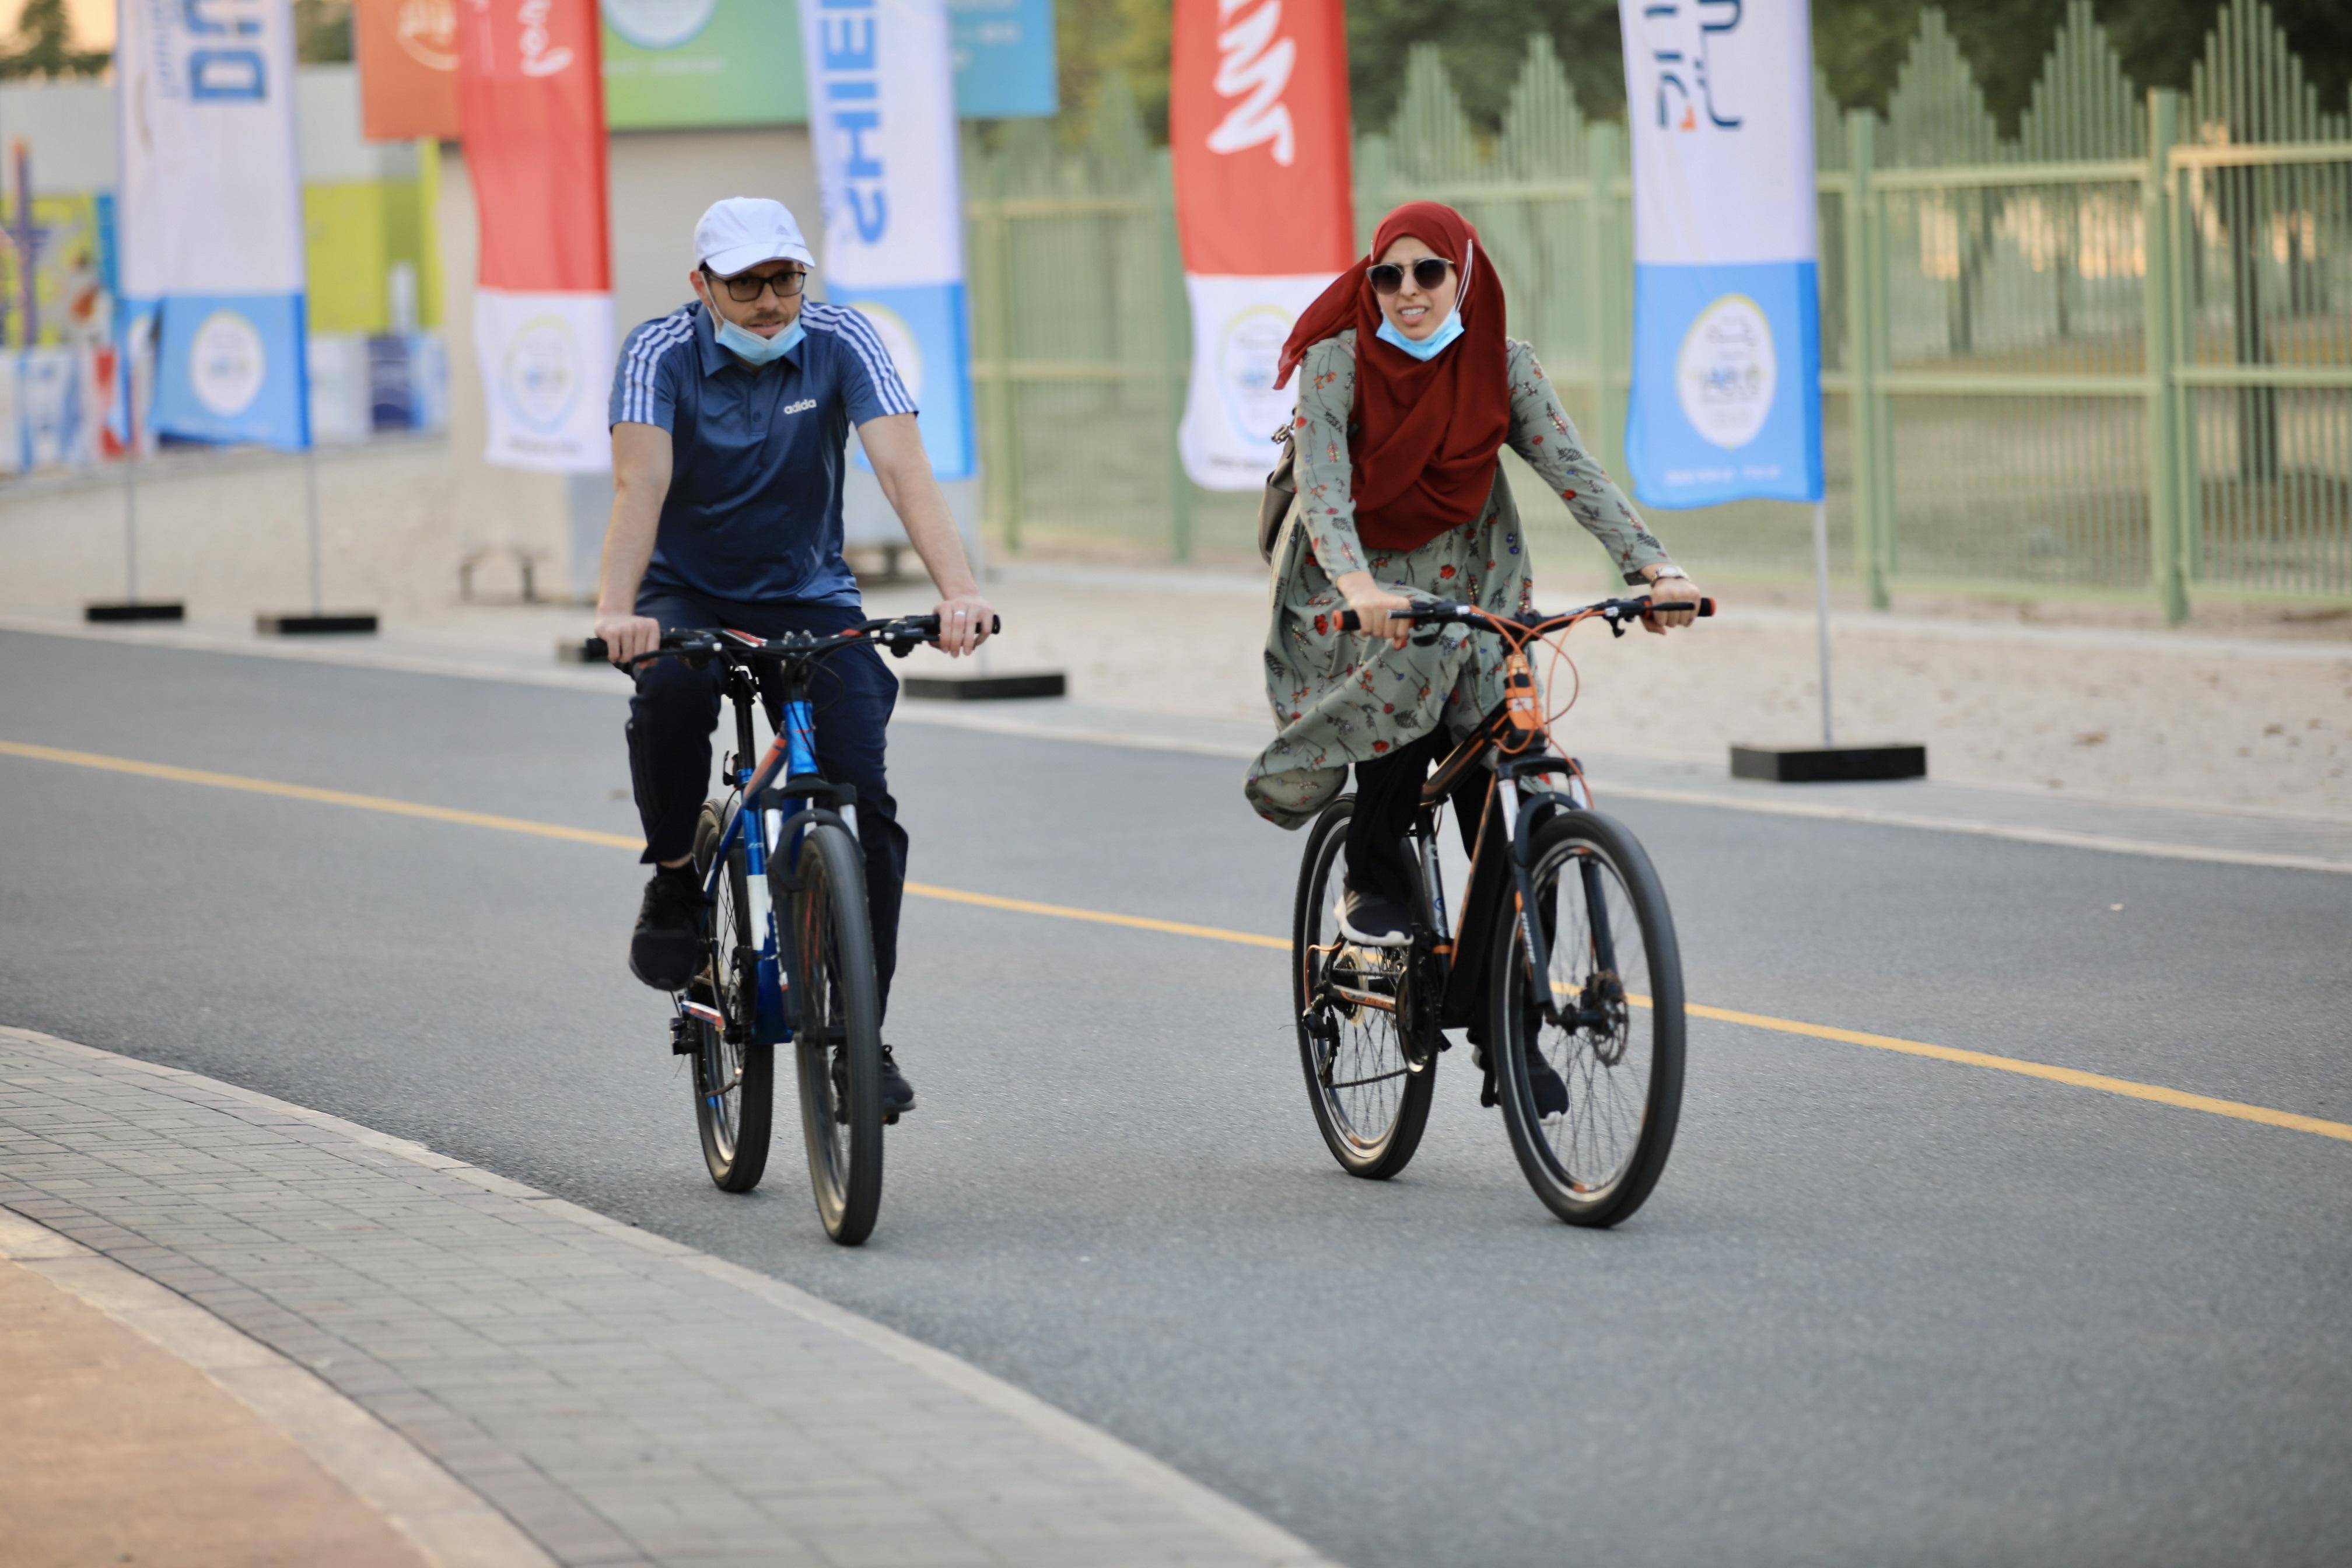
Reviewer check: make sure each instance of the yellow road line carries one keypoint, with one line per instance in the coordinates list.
(2075, 1078)
(320, 796)
(1096, 917)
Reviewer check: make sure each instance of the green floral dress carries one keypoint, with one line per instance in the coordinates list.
(1339, 698)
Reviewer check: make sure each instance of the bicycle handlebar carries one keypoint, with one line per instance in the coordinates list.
(899, 634)
(1442, 612)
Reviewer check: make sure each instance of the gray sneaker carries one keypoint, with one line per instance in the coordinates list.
(1369, 919)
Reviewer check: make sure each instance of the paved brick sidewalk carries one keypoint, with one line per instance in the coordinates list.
(622, 1399)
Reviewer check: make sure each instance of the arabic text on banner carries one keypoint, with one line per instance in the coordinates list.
(1725, 403)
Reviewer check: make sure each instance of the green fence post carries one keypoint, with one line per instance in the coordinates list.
(2167, 557)
(1871, 522)
(1008, 392)
(1604, 244)
(1176, 362)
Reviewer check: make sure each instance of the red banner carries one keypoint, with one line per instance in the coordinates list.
(1258, 133)
(1257, 127)
(408, 67)
(532, 99)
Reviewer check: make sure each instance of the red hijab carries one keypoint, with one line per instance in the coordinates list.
(1425, 432)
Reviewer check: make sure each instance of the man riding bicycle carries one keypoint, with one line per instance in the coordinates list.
(730, 420)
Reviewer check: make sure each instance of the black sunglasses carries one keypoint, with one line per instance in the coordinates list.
(744, 290)
(1427, 273)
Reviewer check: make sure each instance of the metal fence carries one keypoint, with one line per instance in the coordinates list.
(2113, 352)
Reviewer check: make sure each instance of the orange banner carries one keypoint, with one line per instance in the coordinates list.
(408, 68)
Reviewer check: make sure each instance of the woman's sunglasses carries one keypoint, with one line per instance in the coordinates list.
(1427, 273)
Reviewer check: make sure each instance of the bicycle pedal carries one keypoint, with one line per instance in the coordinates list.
(889, 1118)
(681, 1037)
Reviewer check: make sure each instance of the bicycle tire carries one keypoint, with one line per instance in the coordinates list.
(1369, 1135)
(1582, 1162)
(734, 1082)
(838, 1028)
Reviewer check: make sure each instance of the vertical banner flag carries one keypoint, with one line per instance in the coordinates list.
(1258, 130)
(532, 100)
(1727, 313)
(408, 68)
(211, 216)
(882, 118)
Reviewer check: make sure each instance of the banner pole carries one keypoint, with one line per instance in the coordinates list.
(130, 519)
(311, 508)
(1821, 610)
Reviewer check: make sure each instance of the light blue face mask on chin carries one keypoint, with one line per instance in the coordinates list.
(1428, 348)
(754, 349)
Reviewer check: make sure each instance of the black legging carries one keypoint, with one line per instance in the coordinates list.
(1388, 796)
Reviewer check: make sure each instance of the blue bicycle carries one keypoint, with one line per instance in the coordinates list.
(788, 956)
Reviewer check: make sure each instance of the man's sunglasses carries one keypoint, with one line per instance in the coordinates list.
(1427, 273)
(744, 290)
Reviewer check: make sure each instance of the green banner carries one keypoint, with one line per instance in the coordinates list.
(673, 63)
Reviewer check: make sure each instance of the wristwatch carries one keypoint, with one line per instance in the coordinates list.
(1669, 570)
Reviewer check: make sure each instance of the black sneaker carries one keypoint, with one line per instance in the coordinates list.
(898, 1094)
(1550, 1093)
(1369, 919)
(668, 940)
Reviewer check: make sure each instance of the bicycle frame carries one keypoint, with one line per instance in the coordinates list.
(1509, 816)
(786, 772)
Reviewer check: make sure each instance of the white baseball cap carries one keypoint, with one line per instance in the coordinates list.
(743, 231)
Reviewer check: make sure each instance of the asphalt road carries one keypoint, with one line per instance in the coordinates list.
(1882, 1309)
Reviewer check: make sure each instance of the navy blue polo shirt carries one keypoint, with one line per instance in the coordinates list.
(753, 511)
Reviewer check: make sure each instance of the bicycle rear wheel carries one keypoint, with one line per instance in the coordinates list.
(1615, 1041)
(1371, 1096)
(733, 1078)
(837, 1032)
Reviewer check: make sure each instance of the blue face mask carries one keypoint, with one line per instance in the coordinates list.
(754, 349)
(1428, 348)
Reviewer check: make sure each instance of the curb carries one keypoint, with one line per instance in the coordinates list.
(440, 1515)
(1258, 1538)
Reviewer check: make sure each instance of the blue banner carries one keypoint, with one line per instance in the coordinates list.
(1004, 58)
(882, 121)
(1727, 401)
(210, 215)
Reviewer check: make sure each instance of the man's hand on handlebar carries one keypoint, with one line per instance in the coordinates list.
(1378, 612)
(1671, 591)
(627, 637)
(965, 621)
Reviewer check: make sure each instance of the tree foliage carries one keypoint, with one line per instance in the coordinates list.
(1859, 45)
(43, 45)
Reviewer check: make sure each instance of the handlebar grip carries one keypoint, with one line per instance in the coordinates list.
(593, 649)
(1348, 621)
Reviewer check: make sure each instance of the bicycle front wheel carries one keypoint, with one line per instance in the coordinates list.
(1592, 1092)
(837, 1032)
(1370, 1093)
(734, 1078)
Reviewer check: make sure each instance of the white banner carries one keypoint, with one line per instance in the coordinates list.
(1234, 408)
(209, 215)
(1725, 401)
(882, 120)
(544, 360)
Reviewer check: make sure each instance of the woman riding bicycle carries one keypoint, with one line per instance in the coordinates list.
(1410, 392)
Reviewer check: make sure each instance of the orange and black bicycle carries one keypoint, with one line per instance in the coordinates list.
(1577, 1013)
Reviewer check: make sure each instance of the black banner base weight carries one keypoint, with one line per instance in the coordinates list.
(136, 610)
(1829, 764)
(984, 687)
(359, 621)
